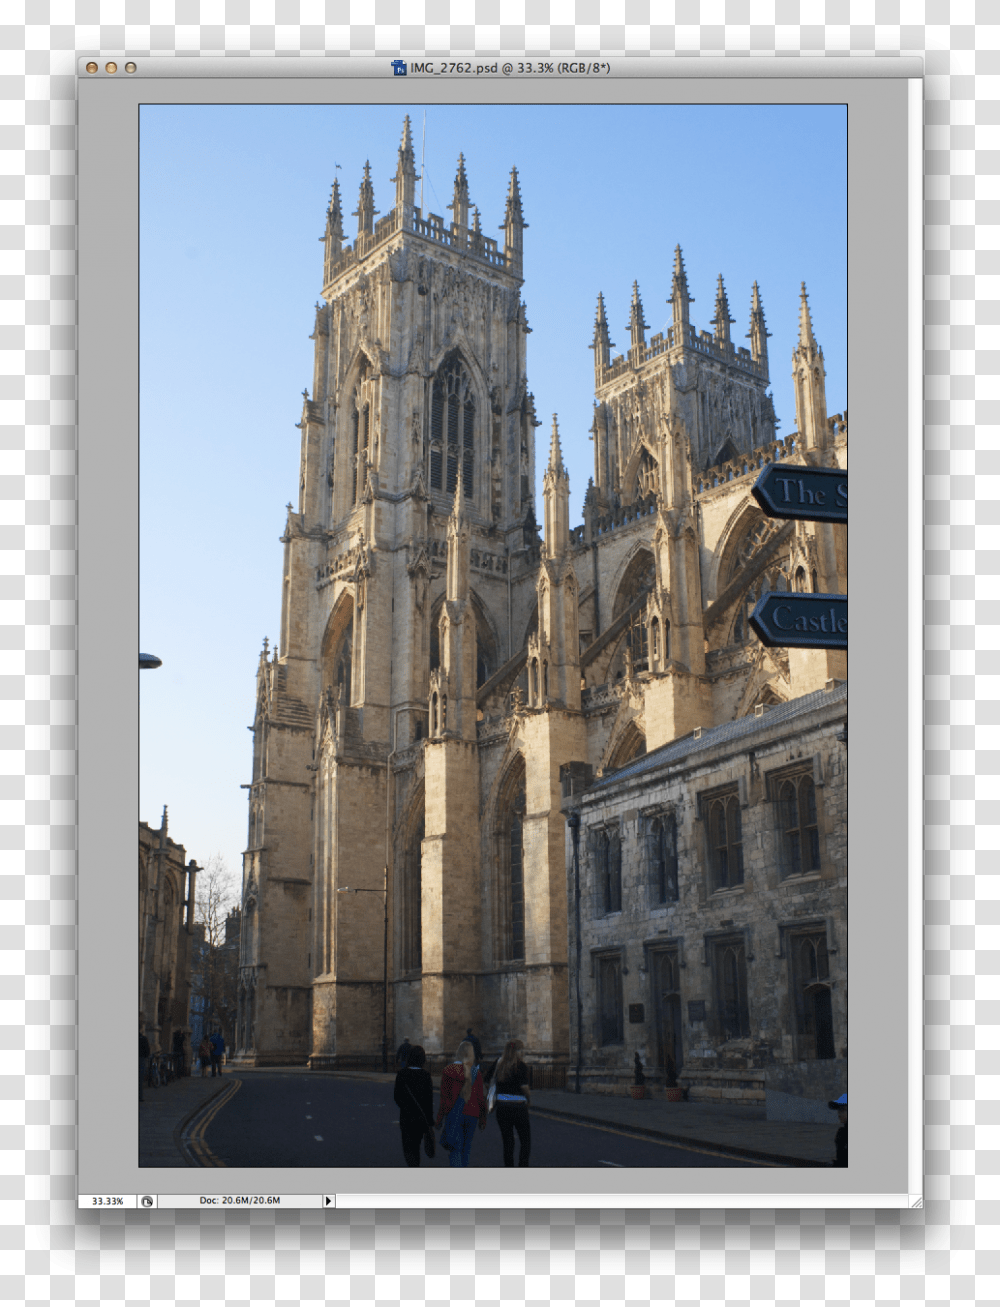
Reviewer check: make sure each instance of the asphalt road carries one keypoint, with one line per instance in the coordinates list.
(318, 1121)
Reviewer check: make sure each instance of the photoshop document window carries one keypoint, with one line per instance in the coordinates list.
(483, 428)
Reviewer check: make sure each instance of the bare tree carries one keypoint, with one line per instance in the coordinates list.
(217, 894)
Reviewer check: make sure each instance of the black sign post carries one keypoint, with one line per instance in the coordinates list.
(783, 620)
(807, 494)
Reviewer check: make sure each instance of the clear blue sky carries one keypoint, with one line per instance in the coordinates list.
(233, 202)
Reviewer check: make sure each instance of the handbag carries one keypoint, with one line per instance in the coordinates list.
(429, 1148)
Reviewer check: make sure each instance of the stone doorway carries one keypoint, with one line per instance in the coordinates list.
(666, 991)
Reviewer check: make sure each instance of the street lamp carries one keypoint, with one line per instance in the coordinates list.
(349, 889)
(573, 822)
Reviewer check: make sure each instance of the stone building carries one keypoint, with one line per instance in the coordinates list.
(439, 662)
(166, 932)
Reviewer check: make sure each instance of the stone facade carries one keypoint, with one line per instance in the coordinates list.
(166, 937)
(441, 658)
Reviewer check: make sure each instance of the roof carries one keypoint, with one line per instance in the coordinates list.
(742, 728)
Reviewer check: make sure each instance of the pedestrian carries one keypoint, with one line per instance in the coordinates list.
(414, 1096)
(403, 1052)
(839, 1105)
(143, 1062)
(474, 1041)
(205, 1055)
(513, 1098)
(218, 1048)
(462, 1104)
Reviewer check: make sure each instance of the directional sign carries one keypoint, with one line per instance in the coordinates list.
(808, 494)
(801, 621)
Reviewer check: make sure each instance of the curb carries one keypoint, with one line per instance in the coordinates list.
(744, 1154)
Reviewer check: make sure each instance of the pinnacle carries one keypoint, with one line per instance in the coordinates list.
(555, 449)
(806, 336)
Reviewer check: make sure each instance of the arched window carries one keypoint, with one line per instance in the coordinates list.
(662, 837)
(731, 989)
(510, 942)
(801, 584)
(798, 825)
(342, 664)
(412, 896)
(725, 837)
(360, 430)
(609, 870)
(453, 429)
(813, 999)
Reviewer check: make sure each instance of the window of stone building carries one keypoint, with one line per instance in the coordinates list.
(360, 420)
(608, 859)
(798, 825)
(665, 975)
(510, 866)
(729, 966)
(724, 827)
(610, 1010)
(411, 951)
(453, 428)
(813, 1000)
(661, 838)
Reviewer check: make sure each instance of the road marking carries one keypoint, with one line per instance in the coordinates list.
(195, 1136)
(308, 1118)
(663, 1143)
(603, 1163)
(318, 1138)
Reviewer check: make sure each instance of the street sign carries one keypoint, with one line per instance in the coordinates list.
(808, 494)
(801, 621)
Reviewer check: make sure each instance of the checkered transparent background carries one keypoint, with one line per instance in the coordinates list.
(944, 1253)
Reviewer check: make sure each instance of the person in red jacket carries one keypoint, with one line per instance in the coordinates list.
(462, 1105)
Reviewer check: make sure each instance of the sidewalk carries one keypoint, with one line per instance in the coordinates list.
(164, 1112)
(740, 1130)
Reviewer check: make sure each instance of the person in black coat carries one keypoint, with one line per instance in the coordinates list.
(476, 1045)
(414, 1096)
(839, 1105)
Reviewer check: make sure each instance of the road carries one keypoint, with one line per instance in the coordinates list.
(291, 1119)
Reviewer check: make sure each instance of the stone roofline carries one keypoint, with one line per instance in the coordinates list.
(827, 708)
(434, 230)
(675, 341)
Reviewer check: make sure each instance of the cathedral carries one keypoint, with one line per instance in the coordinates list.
(453, 680)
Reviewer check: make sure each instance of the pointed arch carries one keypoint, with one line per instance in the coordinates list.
(642, 459)
(457, 410)
(410, 898)
(508, 862)
(337, 649)
(629, 743)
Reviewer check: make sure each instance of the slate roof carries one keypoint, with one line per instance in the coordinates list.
(742, 728)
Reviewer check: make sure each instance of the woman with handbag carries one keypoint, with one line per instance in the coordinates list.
(510, 1079)
(414, 1096)
(462, 1106)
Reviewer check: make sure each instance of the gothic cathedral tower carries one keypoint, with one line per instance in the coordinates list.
(399, 596)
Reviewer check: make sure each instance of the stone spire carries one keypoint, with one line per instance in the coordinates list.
(680, 299)
(809, 375)
(722, 319)
(758, 332)
(556, 496)
(460, 200)
(366, 211)
(602, 343)
(513, 227)
(406, 175)
(333, 237)
(637, 324)
(457, 580)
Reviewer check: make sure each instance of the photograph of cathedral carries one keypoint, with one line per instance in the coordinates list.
(531, 775)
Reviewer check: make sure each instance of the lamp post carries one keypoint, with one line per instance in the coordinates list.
(349, 889)
(573, 822)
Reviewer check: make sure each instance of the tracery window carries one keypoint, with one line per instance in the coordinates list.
(510, 867)
(725, 841)
(412, 899)
(515, 848)
(453, 429)
(798, 825)
(732, 1005)
(360, 432)
(813, 1000)
(611, 1024)
(662, 849)
(608, 851)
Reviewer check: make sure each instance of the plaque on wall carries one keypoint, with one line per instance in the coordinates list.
(636, 1013)
(696, 1009)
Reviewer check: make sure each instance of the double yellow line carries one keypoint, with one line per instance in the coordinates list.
(194, 1138)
